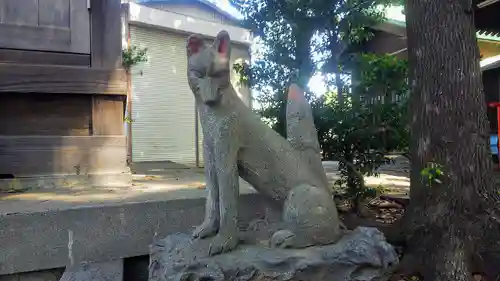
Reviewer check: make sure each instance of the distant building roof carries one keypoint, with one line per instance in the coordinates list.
(205, 3)
(482, 35)
(490, 63)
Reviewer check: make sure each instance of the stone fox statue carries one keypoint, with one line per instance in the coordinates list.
(236, 143)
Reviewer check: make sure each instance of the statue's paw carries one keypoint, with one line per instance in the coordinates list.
(282, 239)
(223, 243)
(206, 229)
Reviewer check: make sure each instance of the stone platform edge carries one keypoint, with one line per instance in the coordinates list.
(65, 238)
(22, 184)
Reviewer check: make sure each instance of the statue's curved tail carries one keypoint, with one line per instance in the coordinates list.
(311, 217)
(301, 132)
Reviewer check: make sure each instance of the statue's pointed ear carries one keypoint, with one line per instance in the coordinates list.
(194, 44)
(222, 44)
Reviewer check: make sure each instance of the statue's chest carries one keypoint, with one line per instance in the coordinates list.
(208, 117)
(217, 123)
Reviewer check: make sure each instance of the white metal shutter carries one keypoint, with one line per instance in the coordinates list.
(163, 105)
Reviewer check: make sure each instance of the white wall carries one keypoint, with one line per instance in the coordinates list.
(195, 11)
(143, 15)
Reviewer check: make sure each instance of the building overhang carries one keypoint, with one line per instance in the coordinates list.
(486, 17)
(398, 28)
(146, 16)
(490, 63)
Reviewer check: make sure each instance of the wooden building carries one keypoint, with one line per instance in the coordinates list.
(62, 90)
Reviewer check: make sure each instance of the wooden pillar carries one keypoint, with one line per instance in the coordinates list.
(106, 50)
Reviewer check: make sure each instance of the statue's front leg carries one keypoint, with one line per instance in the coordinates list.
(210, 224)
(227, 175)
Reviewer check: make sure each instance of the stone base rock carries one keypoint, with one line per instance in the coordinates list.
(361, 255)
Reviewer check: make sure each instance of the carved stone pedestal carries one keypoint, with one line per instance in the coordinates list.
(361, 255)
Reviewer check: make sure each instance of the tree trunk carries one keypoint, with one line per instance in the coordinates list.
(303, 58)
(337, 47)
(451, 226)
(340, 86)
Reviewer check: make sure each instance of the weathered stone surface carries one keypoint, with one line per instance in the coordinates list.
(43, 275)
(361, 255)
(101, 271)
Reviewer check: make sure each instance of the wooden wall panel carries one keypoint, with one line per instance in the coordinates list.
(46, 114)
(107, 115)
(45, 155)
(61, 79)
(48, 25)
(35, 57)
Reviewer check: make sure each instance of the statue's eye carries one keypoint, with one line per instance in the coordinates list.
(197, 73)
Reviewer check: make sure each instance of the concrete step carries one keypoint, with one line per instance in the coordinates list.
(44, 230)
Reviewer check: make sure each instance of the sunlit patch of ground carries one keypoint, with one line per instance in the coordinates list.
(171, 184)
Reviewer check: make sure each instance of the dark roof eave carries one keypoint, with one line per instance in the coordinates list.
(486, 18)
(398, 28)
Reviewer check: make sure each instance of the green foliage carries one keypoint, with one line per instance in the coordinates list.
(358, 133)
(128, 120)
(432, 173)
(358, 136)
(383, 80)
(382, 77)
(244, 73)
(132, 56)
(270, 80)
(289, 32)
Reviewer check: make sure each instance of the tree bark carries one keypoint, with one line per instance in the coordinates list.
(337, 47)
(340, 86)
(303, 58)
(451, 227)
